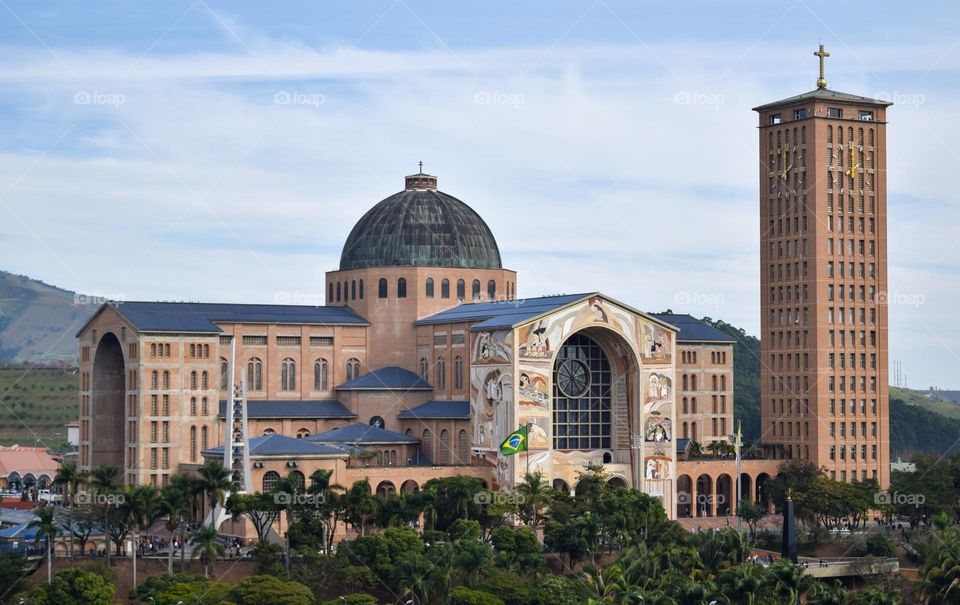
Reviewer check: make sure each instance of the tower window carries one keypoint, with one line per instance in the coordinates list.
(866, 116)
(401, 288)
(775, 118)
(445, 288)
(461, 289)
(476, 289)
(382, 288)
(429, 287)
(491, 290)
(799, 114)
(834, 112)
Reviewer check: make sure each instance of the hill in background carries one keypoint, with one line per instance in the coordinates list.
(38, 321)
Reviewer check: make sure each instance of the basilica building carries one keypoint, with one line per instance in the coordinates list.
(422, 361)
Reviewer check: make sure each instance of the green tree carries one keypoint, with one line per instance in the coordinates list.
(940, 574)
(73, 586)
(214, 483)
(70, 478)
(361, 506)
(534, 492)
(517, 550)
(473, 559)
(142, 503)
(465, 596)
(270, 590)
(207, 547)
(876, 595)
(175, 506)
(751, 512)
(47, 528)
(105, 480)
(261, 510)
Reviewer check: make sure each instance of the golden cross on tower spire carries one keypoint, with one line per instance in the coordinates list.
(421, 167)
(821, 81)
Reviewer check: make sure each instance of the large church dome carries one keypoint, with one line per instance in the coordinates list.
(422, 227)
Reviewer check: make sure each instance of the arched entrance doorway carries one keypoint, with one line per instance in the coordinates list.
(746, 487)
(704, 500)
(107, 430)
(763, 496)
(724, 499)
(559, 485)
(617, 483)
(684, 496)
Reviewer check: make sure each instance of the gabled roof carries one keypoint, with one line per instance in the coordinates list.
(362, 434)
(388, 378)
(26, 460)
(297, 408)
(824, 94)
(692, 329)
(503, 314)
(200, 317)
(281, 445)
(438, 409)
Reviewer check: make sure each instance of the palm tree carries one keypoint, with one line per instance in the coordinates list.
(70, 477)
(941, 572)
(789, 581)
(535, 492)
(361, 506)
(47, 528)
(206, 546)
(143, 506)
(189, 486)
(175, 506)
(106, 482)
(215, 482)
(695, 450)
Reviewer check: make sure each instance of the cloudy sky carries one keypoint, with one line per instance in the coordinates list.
(221, 151)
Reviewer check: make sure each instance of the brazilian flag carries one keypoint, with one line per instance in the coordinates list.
(515, 442)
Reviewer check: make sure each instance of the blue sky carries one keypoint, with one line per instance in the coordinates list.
(221, 151)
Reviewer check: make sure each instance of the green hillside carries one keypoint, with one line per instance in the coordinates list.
(36, 404)
(38, 321)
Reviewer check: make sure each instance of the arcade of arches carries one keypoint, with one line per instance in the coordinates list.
(706, 488)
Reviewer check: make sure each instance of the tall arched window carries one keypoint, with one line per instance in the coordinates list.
(713, 382)
(429, 287)
(445, 288)
(224, 374)
(203, 439)
(204, 380)
(193, 380)
(329, 293)
(427, 443)
(401, 288)
(491, 290)
(255, 374)
(204, 406)
(361, 289)
(475, 289)
(443, 456)
(424, 368)
(193, 406)
(339, 288)
(155, 380)
(288, 375)
(321, 375)
(458, 372)
(461, 289)
(382, 288)
(166, 350)
(346, 290)
(723, 383)
(193, 444)
(463, 448)
(441, 373)
(353, 368)
(582, 398)
(193, 350)
(270, 481)
(353, 289)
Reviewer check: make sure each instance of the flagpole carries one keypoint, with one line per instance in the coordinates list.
(739, 480)
(529, 424)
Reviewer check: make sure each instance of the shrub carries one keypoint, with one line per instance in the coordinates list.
(466, 596)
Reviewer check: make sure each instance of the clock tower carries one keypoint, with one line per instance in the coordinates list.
(823, 278)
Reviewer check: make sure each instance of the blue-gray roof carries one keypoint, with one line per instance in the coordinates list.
(692, 329)
(438, 409)
(362, 434)
(296, 408)
(390, 377)
(501, 315)
(281, 445)
(200, 317)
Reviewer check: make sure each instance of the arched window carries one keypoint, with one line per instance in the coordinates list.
(321, 375)
(693, 405)
(445, 288)
(270, 481)
(298, 481)
(193, 350)
(288, 375)
(686, 431)
(429, 287)
(224, 374)
(723, 383)
(193, 380)
(713, 382)
(339, 288)
(443, 456)
(829, 134)
(458, 372)
(382, 288)
(153, 350)
(193, 406)
(166, 350)
(204, 406)
(353, 368)
(329, 293)
(693, 380)
(427, 443)
(166, 379)
(193, 444)
(154, 379)
(203, 439)
(346, 290)
(401, 288)
(255, 374)
(463, 448)
(353, 289)
(491, 290)
(461, 289)
(424, 368)
(204, 380)
(361, 289)
(684, 405)
(476, 289)
(582, 398)
(303, 433)
(441, 373)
